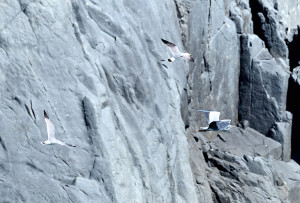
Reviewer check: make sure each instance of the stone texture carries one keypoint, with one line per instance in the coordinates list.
(213, 78)
(263, 85)
(245, 166)
(268, 25)
(281, 132)
(95, 67)
(293, 101)
(296, 75)
(290, 12)
(241, 15)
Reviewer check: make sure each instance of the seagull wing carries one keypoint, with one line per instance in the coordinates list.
(50, 127)
(223, 124)
(203, 110)
(210, 116)
(174, 49)
(187, 57)
(219, 125)
(62, 143)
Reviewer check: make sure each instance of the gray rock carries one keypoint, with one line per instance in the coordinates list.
(281, 132)
(263, 86)
(208, 86)
(242, 142)
(95, 67)
(268, 25)
(198, 146)
(244, 124)
(240, 14)
(290, 13)
(237, 175)
(293, 106)
(296, 74)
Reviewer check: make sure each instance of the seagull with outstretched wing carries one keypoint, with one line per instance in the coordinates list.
(213, 122)
(176, 52)
(51, 134)
(210, 116)
(220, 125)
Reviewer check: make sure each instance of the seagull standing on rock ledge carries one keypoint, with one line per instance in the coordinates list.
(51, 133)
(177, 53)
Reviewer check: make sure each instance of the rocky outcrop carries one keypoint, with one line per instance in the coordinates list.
(263, 85)
(95, 67)
(293, 106)
(213, 78)
(245, 166)
(268, 25)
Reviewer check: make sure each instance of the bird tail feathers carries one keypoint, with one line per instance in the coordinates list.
(70, 145)
(171, 59)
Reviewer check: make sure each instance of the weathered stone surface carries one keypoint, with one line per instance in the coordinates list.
(240, 170)
(281, 132)
(296, 75)
(268, 25)
(244, 142)
(240, 14)
(213, 78)
(290, 12)
(95, 67)
(263, 85)
(293, 101)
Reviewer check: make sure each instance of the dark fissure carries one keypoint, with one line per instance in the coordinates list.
(293, 97)
(257, 9)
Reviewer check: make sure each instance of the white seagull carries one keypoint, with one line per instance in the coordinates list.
(218, 125)
(177, 53)
(213, 121)
(210, 116)
(51, 133)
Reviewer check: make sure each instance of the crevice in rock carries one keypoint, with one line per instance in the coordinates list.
(293, 99)
(30, 111)
(23, 7)
(181, 10)
(206, 56)
(294, 55)
(215, 194)
(3, 144)
(34, 167)
(89, 119)
(267, 26)
(256, 9)
(171, 178)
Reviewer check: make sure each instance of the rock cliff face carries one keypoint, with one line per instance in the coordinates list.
(95, 67)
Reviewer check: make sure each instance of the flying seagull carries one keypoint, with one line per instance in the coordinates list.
(51, 133)
(176, 53)
(213, 122)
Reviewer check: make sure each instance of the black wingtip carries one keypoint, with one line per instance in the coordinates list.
(164, 41)
(70, 145)
(45, 115)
